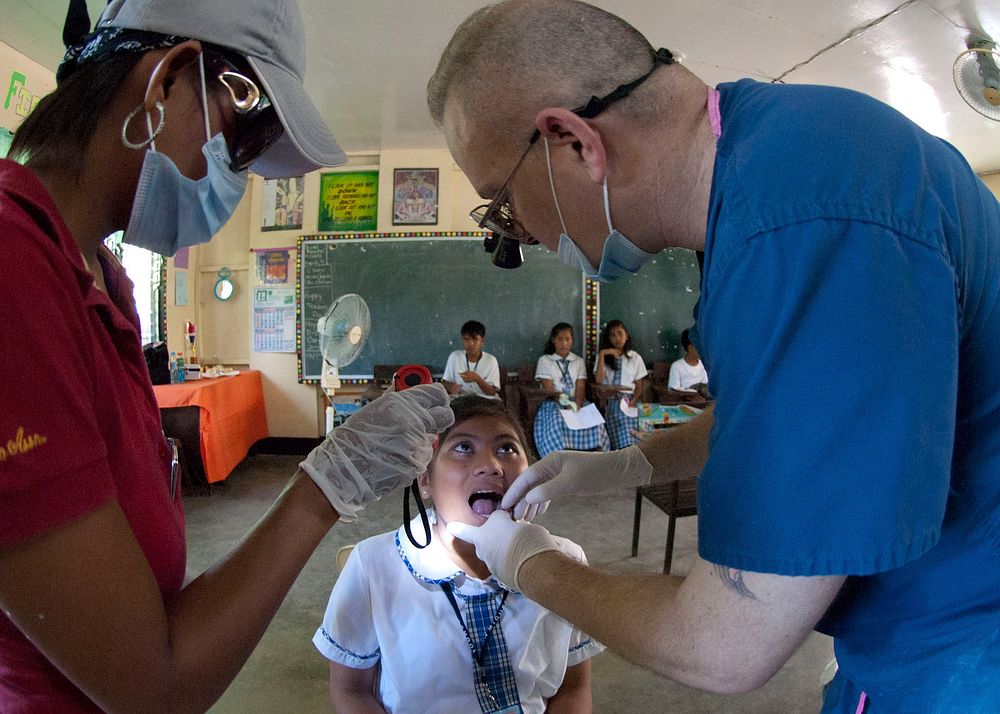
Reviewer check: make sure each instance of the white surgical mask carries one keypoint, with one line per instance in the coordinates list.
(620, 256)
(171, 211)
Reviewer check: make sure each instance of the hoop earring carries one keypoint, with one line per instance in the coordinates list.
(153, 132)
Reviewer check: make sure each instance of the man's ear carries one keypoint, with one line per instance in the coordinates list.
(176, 60)
(561, 127)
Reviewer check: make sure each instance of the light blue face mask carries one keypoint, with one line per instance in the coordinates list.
(171, 211)
(620, 256)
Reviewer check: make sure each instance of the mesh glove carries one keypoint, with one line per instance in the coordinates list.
(384, 446)
(564, 473)
(504, 545)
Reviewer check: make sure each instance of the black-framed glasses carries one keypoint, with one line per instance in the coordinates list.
(256, 125)
(497, 216)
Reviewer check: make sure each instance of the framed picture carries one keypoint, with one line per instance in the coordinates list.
(348, 201)
(415, 197)
(281, 204)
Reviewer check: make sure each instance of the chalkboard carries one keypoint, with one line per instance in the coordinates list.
(421, 290)
(655, 304)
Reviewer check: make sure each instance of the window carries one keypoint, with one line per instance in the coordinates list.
(148, 271)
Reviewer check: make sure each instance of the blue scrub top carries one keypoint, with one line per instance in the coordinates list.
(849, 317)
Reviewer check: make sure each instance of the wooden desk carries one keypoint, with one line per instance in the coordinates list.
(231, 418)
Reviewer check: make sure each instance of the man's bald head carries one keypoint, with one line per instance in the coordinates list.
(507, 61)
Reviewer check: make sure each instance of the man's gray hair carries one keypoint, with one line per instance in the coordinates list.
(510, 59)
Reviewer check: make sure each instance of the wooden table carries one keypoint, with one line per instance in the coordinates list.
(229, 415)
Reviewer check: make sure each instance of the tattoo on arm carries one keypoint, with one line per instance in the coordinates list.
(733, 579)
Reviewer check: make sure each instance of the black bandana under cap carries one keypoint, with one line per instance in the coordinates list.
(104, 42)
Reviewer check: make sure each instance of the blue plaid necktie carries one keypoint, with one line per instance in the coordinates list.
(496, 672)
(567, 379)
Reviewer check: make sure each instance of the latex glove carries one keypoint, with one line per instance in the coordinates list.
(504, 544)
(383, 446)
(583, 473)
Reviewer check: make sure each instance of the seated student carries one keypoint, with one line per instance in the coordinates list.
(688, 373)
(620, 373)
(470, 370)
(565, 374)
(431, 630)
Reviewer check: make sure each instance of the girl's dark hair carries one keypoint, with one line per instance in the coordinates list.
(470, 406)
(550, 348)
(57, 132)
(605, 342)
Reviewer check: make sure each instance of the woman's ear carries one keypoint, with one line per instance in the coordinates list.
(562, 128)
(177, 59)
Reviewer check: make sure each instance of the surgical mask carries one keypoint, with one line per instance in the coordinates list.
(171, 211)
(620, 256)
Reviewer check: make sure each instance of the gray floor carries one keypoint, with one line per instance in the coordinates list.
(286, 674)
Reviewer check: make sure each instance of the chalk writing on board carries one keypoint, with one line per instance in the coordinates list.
(348, 201)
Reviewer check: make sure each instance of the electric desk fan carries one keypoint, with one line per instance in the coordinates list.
(343, 331)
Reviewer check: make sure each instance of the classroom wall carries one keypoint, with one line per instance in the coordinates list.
(23, 82)
(225, 329)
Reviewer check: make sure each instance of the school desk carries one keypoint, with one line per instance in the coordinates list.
(230, 417)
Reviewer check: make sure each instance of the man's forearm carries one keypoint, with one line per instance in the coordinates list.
(679, 452)
(594, 601)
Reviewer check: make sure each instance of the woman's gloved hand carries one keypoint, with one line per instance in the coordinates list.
(564, 473)
(385, 445)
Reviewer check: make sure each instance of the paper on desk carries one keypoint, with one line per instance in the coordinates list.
(584, 418)
(627, 410)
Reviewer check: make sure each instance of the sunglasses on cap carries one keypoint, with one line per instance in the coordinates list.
(497, 216)
(256, 125)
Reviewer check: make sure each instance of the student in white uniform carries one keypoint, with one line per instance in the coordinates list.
(431, 630)
(470, 370)
(558, 369)
(620, 373)
(688, 373)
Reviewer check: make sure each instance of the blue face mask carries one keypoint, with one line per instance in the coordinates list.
(171, 211)
(620, 256)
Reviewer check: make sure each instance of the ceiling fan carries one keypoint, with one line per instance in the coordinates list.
(977, 77)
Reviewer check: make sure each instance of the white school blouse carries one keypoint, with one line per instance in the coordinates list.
(387, 608)
(487, 368)
(548, 367)
(633, 369)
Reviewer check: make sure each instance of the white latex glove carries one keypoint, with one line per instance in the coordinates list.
(504, 544)
(384, 445)
(584, 473)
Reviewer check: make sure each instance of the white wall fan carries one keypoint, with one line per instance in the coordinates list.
(343, 331)
(977, 77)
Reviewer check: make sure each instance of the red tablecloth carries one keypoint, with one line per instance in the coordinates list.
(232, 417)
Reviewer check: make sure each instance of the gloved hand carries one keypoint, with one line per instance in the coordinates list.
(384, 445)
(504, 544)
(564, 473)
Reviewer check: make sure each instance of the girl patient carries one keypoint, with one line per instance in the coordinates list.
(417, 630)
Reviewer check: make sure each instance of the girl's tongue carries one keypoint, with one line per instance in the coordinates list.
(483, 504)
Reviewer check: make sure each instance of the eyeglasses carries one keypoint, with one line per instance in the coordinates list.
(256, 125)
(497, 216)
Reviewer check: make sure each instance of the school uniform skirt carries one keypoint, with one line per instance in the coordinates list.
(619, 425)
(552, 434)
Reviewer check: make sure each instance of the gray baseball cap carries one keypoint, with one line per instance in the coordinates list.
(270, 34)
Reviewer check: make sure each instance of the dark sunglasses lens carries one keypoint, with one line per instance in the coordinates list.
(255, 133)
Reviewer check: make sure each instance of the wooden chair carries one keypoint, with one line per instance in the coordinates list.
(676, 499)
(530, 396)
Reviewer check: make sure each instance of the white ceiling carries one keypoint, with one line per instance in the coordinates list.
(369, 60)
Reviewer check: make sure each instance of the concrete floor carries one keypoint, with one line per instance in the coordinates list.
(286, 674)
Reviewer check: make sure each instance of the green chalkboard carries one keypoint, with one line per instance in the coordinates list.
(655, 304)
(421, 290)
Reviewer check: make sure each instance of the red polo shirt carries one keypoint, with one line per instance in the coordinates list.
(79, 423)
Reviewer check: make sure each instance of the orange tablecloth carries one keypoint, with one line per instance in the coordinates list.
(232, 416)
